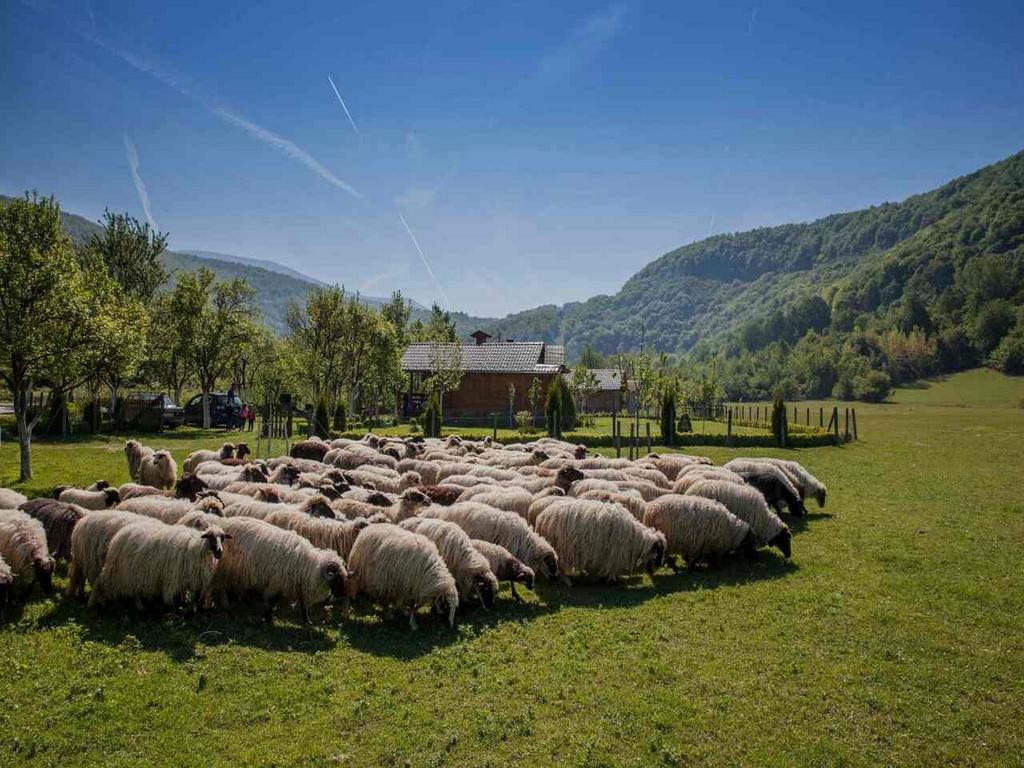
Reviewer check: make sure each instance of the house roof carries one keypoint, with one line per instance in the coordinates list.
(492, 357)
(608, 380)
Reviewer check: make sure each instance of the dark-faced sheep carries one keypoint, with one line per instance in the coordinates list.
(23, 547)
(59, 520)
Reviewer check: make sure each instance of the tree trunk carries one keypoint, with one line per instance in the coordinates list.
(24, 434)
(206, 406)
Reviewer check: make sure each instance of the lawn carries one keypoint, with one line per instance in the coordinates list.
(894, 637)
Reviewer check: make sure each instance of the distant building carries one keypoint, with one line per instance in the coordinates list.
(489, 367)
(609, 395)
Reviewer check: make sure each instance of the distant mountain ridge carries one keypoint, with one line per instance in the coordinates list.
(270, 266)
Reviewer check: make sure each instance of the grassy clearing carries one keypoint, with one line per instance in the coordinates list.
(895, 636)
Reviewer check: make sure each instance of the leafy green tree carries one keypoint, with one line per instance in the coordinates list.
(533, 396)
(591, 358)
(872, 386)
(444, 359)
(170, 332)
(318, 330)
(432, 417)
(553, 409)
(321, 424)
(583, 383)
(56, 320)
(131, 252)
(568, 406)
(993, 321)
(1008, 357)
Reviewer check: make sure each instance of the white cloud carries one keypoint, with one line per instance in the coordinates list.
(140, 186)
(583, 44)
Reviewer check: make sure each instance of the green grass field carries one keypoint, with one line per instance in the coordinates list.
(894, 637)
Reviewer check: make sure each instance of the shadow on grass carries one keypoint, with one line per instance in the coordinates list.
(801, 524)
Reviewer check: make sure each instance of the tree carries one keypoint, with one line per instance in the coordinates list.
(397, 312)
(170, 333)
(591, 358)
(1008, 357)
(54, 318)
(583, 383)
(993, 322)
(533, 396)
(321, 425)
(445, 362)
(318, 331)
(668, 417)
(440, 327)
(131, 252)
(872, 386)
(567, 411)
(553, 409)
(223, 324)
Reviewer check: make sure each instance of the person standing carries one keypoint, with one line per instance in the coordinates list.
(251, 417)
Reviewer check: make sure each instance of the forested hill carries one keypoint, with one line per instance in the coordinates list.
(817, 275)
(275, 285)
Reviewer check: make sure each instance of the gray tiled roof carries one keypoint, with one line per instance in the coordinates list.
(608, 379)
(496, 357)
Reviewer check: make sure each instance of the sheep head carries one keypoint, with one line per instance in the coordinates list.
(214, 539)
(242, 450)
(112, 497)
(318, 506)
(334, 575)
(227, 451)
(485, 589)
(42, 567)
(656, 554)
(784, 541)
(189, 487)
(566, 476)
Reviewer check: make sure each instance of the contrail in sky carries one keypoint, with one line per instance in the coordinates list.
(342, 102)
(447, 304)
(140, 186)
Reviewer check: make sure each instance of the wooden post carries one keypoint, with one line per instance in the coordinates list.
(821, 417)
(632, 437)
(729, 429)
(835, 422)
(648, 425)
(846, 427)
(494, 431)
(853, 412)
(796, 418)
(618, 442)
(808, 417)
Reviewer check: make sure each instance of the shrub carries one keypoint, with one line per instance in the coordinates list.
(1008, 357)
(524, 422)
(569, 418)
(872, 387)
(553, 409)
(779, 418)
(432, 417)
(321, 422)
(668, 418)
(414, 425)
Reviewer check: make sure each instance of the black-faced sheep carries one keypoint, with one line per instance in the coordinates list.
(773, 483)
(196, 458)
(748, 505)
(279, 565)
(170, 511)
(323, 533)
(23, 547)
(698, 528)
(505, 566)
(806, 483)
(93, 500)
(469, 568)
(59, 520)
(396, 567)
(600, 540)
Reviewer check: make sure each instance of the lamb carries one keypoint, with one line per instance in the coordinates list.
(94, 500)
(196, 458)
(11, 499)
(806, 483)
(773, 483)
(23, 548)
(89, 543)
(313, 449)
(499, 527)
(168, 561)
(135, 452)
(278, 564)
(698, 528)
(395, 566)
(59, 520)
(509, 498)
(601, 540)
(631, 500)
(250, 473)
(468, 567)
(158, 469)
(748, 505)
(170, 511)
(335, 535)
(505, 566)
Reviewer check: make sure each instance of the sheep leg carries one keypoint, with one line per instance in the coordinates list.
(304, 612)
(268, 610)
(412, 619)
(515, 595)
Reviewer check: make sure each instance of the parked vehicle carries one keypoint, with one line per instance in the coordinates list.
(150, 411)
(219, 410)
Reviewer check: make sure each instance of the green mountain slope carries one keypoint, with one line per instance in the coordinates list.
(862, 261)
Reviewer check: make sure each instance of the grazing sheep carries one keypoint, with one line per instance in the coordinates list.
(748, 505)
(11, 499)
(407, 505)
(702, 472)
(383, 483)
(368, 496)
(59, 520)
(170, 511)
(425, 469)
(279, 565)
(631, 500)
(593, 484)
(134, 491)
(135, 452)
(94, 500)
(601, 540)
(199, 520)
(538, 505)
(335, 535)
(313, 449)
(257, 491)
(445, 495)
(167, 561)
(397, 567)
(187, 487)
(698, 528)
(98, 485)
(773, 483)
(316, 506)
(500, 527)
(23, 547)
(806, 483)
(158, 469)
(468, 567)
(89, 543)
(510, 498)
(669, 465)
(505, 566)
(196, 458)
(250, 473)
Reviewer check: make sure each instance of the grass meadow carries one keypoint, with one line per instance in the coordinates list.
(895, 636)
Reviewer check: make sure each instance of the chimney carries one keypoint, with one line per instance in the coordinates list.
(480, 337)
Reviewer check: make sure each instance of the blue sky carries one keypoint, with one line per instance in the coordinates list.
(539, 152)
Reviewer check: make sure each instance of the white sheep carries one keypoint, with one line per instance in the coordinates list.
(698, 528)
(277, 564)
(599, 539)
(631, 500)
(397, 567)
(806, 483)
(701, 472)
(11, 499)
(197, 458)
(317, 506)
(748, 505)
(469, 568)
(323, 533)
(94, 500)
(135, 452)
(500, 527)
(89, 543)
(427, 470)
(510, 498)
(158, 470)
(169, 561)
(170, 511)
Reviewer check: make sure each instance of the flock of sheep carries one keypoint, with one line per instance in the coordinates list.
(402, 523)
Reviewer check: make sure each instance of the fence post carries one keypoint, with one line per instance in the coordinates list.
(808, 417)
(615, 434)
(821, 417)
(846, 427)
(835, 422)
(648, 425)
(728, 437)
(494, 431)
(632, 430)
(853, 412)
